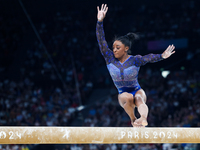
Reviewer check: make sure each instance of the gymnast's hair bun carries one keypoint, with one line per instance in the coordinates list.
(132, 36)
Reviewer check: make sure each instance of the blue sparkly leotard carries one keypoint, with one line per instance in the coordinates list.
(124, 75)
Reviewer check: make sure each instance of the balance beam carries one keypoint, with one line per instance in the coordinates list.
(97, 135)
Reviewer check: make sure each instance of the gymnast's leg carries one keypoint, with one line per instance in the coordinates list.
(126, 100)
(140, 102)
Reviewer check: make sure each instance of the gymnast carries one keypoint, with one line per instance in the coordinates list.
(124, 69)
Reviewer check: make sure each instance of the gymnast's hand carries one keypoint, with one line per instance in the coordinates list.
(168, 52)
(102, 13)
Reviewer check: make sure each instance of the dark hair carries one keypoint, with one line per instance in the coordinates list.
(127, 39)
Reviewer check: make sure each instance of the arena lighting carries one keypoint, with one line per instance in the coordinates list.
(100, 135)
(165, 73)
(80, 108)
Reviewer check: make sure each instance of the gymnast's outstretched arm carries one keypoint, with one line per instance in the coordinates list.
(105, 51)
(142, 60)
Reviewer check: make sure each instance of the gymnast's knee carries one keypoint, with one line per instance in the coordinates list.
(125, 100)
(139, 100)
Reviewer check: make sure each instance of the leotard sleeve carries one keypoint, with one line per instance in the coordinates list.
(150, 58)
(105, 51)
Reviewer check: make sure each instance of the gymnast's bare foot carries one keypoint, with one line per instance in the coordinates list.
(142, 121)
(135, 124)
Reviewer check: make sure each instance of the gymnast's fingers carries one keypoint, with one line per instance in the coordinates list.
(106, 9)
(102, 7)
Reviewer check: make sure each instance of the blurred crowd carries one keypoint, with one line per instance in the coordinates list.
(58, 75)
(23, 103)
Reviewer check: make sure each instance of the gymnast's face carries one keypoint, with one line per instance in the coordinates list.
(119, 49)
